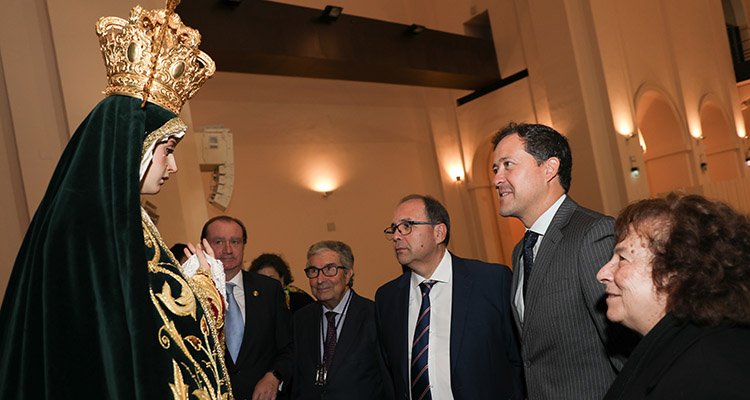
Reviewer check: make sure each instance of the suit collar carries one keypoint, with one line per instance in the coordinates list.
(252, 298)
(353, 321)
(462, 285)
(547, 249)
(542, 223)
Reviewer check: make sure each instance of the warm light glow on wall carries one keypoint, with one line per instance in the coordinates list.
(694, 125)
(323, 184)
(741, 132)
(322, 176)
(624, 124)
(456, 172)
(642, 142)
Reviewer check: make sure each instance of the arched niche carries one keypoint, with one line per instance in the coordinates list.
(500, 233)
(668, 155)
(721, 144)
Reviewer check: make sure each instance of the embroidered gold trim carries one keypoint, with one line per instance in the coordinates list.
(168, 331)
(171, 127)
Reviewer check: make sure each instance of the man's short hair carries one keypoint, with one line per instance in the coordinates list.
(342, 249)
(542, 142)
(435, 210)
(225, 218)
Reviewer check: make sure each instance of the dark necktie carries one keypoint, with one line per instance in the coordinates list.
(329, 346)
(420, 378)
(529, 240)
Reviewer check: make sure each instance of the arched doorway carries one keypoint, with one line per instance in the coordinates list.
(721, 144)
(667, 155)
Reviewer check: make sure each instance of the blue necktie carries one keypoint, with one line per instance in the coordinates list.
(529, 240)
(233, 324)
(420, 378)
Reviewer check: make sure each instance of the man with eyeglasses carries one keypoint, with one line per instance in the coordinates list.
(336, 352)
(257, 326)
(445, 324)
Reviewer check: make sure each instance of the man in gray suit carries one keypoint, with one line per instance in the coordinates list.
(557, 301)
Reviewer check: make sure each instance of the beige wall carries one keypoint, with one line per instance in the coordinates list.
(590, 62)
(374, 141)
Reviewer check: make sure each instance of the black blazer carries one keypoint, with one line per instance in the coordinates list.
(267, 341)
(484, 357)
(689, 362)
(357, 370)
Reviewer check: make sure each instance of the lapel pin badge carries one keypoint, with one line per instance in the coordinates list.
(255, 293)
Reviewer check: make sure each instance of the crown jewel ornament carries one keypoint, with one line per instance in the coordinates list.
(153, 56)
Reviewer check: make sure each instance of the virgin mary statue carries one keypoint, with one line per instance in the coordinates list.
(97, 306)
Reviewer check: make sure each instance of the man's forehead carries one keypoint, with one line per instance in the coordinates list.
(226, 227)
(410, 209)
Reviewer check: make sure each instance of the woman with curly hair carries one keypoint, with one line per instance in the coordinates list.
(273, 266)
(680, 276)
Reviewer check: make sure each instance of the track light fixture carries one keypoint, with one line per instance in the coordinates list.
(331, 13)
(415, 29)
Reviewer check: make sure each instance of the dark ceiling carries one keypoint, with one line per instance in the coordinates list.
(265, 37)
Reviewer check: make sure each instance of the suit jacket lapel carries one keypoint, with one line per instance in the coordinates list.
(461, 298)
(313, 336)
(353, 321)
(544, 257)
(251, 300)
(401, 315)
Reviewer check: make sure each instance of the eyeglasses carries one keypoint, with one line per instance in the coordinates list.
(328, 270)
(404, 228)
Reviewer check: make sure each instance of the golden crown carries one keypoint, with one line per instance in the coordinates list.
(153, 56)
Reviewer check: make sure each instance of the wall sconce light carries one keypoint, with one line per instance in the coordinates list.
(457, 173)
(635, 172)
(331, 13)
(747, 158)
(703, 164)
(415, 29)
(326, 194)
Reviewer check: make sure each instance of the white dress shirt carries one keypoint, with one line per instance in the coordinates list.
(540, 227)
(441, 301)
(341, 310)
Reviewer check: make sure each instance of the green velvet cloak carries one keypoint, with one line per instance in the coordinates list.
(84, 312)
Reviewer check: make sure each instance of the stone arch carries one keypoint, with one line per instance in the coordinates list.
(723, 153)
(668, 155)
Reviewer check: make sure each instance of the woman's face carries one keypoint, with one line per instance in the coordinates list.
(270, 272)
(162, 165)
(632, 298)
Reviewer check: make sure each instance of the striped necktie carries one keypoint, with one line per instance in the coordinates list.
(420, 378)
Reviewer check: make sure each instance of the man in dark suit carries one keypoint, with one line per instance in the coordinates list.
(557, 301)
(257, 325)
(445, 324)
(336, 349)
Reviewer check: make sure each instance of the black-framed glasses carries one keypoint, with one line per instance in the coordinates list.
(328, 270)
(404, 228)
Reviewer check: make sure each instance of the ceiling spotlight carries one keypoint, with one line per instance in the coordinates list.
(331, 13)
(415, 29)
